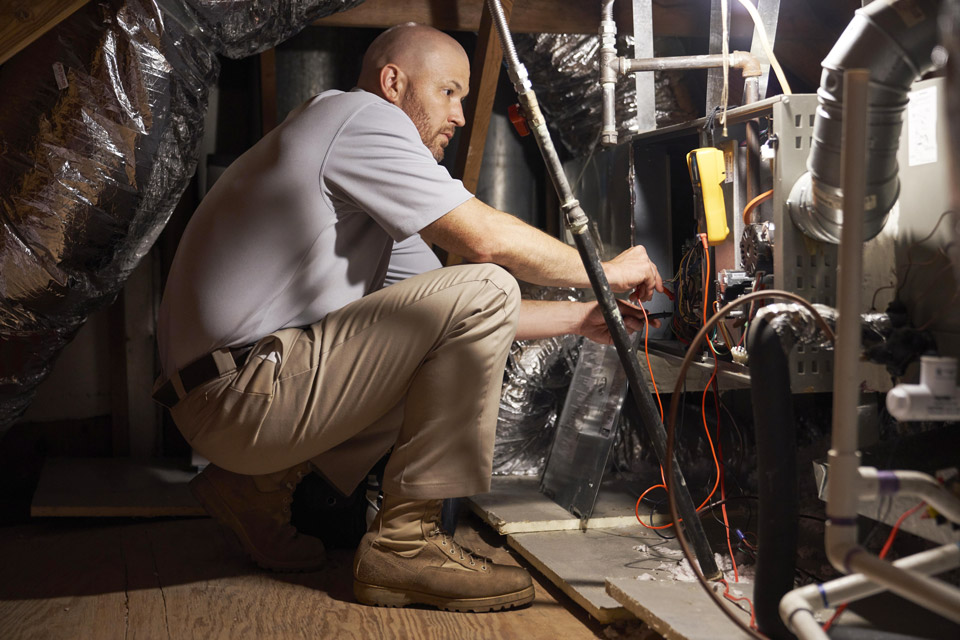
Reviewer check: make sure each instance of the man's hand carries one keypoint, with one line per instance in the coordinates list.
(633, 270)
(594, 327)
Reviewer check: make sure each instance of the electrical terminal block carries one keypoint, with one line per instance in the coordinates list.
(739, 355)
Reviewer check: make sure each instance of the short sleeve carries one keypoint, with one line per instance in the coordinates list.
(409, 258)
(379, 164)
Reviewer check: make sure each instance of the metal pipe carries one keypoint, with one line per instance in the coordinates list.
(751, 94)
(608, 73)
(748, 64)
(894, 40)
(576, 221)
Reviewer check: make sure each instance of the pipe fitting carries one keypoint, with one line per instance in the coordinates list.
(935, 398)
(608, 79)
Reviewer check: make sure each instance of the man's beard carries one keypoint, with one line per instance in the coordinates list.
(431, 139)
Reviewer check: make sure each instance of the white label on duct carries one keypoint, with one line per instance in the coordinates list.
(60, 76)
(922, 126)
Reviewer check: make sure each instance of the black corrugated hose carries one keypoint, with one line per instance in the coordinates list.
(776, 437)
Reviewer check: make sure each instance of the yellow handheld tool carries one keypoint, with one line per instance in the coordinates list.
(707, 172)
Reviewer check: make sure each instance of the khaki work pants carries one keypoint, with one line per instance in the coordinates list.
(417, 366)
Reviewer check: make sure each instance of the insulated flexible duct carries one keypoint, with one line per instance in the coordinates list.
(893, 39)
(100, 126)
(776, 436)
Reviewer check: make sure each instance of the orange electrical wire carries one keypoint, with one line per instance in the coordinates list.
(723, 488)
(747, 210)
(703, 404)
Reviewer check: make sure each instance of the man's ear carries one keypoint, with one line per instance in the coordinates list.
(393, 82)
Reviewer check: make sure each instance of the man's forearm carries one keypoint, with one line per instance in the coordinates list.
(546, 319)
(481, 233)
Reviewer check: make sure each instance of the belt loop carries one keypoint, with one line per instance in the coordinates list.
(178, 385)
(224, 361)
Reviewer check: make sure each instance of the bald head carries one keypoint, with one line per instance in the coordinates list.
(411, 47)
(426, 73)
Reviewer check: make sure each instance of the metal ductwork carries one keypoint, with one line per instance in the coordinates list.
(894, 40)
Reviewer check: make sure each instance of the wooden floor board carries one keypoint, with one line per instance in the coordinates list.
(187, 578)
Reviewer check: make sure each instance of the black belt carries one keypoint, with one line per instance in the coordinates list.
(198, 372)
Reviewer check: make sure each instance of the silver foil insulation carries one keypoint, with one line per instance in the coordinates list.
(100, 126)
(563, 70)
(535, 384)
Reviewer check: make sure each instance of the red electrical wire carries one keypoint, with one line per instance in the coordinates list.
(883, 554)
(733, 598)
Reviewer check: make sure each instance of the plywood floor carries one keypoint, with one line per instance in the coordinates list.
(186, 578)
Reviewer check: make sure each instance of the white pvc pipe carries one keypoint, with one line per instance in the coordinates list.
(842, 490)
(797, 608)
(877, 483)
(929, 593)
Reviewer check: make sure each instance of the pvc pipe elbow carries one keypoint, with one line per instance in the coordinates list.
(935, 398)
(798, 615)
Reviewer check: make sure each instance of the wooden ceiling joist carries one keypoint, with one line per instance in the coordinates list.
(674, 17)
(23, 21)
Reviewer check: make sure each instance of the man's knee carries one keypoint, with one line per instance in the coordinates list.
(504, 281)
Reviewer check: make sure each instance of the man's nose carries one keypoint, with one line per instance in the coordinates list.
(456, 116)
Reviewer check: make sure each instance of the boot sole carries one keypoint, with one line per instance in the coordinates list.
(386, 597)
(205, 492)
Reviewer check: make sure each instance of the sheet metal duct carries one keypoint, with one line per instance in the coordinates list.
(894, 40)
(99, 132)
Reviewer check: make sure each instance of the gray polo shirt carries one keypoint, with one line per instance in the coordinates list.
(301, 224)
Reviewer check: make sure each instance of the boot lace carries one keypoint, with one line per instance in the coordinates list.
(287, 498)
(455, 549)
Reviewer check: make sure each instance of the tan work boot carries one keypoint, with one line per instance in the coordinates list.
(406, 558)
(257, 509)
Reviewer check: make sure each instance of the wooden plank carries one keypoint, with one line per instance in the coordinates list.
(113, 487)
(581, 563)
(23, 21)
(578, 563)
(62, 582)
(515, 505)
(679, 610)
(189, 579)
(677, 18)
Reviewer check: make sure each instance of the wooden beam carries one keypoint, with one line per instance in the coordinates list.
(23, 21)
(529, 16)
(483, 88)
(268, 91)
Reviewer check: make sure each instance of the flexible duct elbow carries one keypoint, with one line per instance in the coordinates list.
(893, 39)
